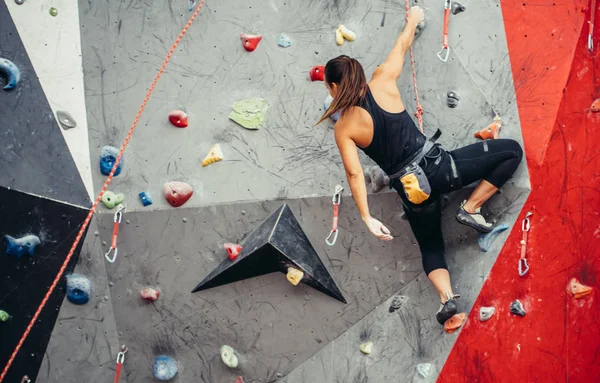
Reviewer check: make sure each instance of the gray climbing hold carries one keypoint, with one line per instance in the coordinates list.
(485, 313)
(66, 120)
(458, 8)
(19, 2)
(452, 99)
(485, 240)
(424, 369)
(397, 302)
(284, 40)
(517, 308)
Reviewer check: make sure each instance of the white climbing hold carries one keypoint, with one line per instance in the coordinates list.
(228, 356)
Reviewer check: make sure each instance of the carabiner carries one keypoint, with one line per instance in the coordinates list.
(333, 233)
(121, 355)
(337, 198)
(445, 58)
(113, 246)
(522, 272)
(526, 224)
(337, 194)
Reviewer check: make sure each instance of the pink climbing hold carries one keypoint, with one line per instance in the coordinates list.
(239, 380)
(178, 118)
(317, 73)
(233, 250)
(150, 294)
(177, 193)
(250, 42)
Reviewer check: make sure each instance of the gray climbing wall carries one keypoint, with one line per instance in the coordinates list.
(278, 329)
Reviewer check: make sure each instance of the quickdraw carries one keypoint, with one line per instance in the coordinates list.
(445, 47)
(525, 227)
(591, 30)
(337, 198)
(120, 360)
(115, 234)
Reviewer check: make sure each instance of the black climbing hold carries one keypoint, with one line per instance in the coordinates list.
(452, 99)
(517, 308)
(278, 243)
(457, 8)
(66, 120)
(397, 302)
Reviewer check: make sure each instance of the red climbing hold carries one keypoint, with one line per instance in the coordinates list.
(250, 42)
(150, 294)
(595, 105)
(177, 193)
(233, 250)
(317, 73)
(577, 289)
(239, 380)
(178, 118)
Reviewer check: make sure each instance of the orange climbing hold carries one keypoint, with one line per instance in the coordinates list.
(492, 132)
(595, 105)
(577, 289)
(250, 42)
(455, 322)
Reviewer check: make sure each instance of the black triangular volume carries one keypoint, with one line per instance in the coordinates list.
(34, 156)
(26, 275)
(278, 243)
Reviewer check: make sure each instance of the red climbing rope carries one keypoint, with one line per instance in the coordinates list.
(419, 111)
(106, 183)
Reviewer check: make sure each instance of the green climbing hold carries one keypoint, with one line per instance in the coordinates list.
(110, 199)
(250, 113)
(53, 11)
(4, 317)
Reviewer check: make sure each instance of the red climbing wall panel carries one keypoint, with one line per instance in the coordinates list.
(558, 339)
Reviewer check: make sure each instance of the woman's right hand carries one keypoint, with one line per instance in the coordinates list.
(416, 14)
(378, 229)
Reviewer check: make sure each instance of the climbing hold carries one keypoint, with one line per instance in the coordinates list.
(424, 369)
(594, 108)
(239, 379)
(377, 178)
(485, 313)
(214, 155)
(19, 2)
(492, 131)
(366, 348)
(177, 193)
(110, 199)
(228, 356)
(165, 367)
(457, 8)
(150, 294)
(317, 73)
(11, 73)
(78, 289)
(20, 246)
(455, 322)
(517, 308)
(397, 302)
(452, 99)
(145, 198)
(233, 250)
(66, 120)
(342, 33)
(53, 11)
(578, 290)
(249, 113)
(284, 40)
(178, 118)
(4, 317)
(108, 157)
(485, 240)
(250, 42)
(419, 29)
(327, 103)
(294, 275)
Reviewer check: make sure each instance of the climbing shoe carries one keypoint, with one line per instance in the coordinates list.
(447, 310)
(475, 220)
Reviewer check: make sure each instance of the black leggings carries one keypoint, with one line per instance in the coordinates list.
(494, 161)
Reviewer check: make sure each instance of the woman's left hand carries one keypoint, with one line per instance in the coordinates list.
(378, 229)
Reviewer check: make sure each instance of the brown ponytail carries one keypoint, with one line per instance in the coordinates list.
(349, 76)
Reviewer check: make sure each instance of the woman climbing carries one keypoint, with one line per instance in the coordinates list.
(372, 117)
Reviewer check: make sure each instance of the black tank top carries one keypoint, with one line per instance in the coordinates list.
(395, 136)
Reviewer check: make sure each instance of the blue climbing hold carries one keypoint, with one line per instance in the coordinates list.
(328, 101)
(284, 40)
(108, 157)
(11, 72)
(165, 367)
(145, 198)
(20, 246)
(485, 240)
(78, 289)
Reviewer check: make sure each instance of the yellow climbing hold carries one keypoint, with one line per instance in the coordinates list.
(294, 276)
(214, 155)
(342, 33)
(366, 348)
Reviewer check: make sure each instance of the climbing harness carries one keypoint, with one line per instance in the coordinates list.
(445, 47)
(120, 360)
(115, 234)
(525, 226)
(591, 30)
(419, 109)
(337, 198)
